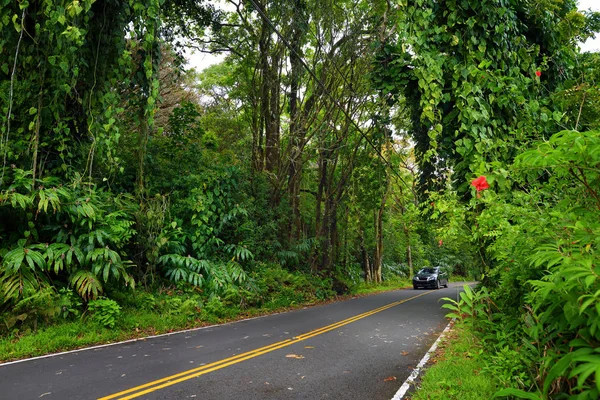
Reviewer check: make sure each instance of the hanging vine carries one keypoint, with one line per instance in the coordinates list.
(63, 70)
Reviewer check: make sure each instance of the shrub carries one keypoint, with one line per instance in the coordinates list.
(69, 303)
(104, 311)
(146, 301)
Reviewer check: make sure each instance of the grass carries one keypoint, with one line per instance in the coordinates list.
(391, 284)
(70, 335)
(134, 323)
(457, 372)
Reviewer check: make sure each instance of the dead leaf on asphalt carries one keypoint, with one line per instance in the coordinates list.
(389, 378)
(404, 353)
(294, 356)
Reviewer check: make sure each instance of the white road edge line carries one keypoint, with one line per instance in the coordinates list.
(140, 339)
(100, 346)
(415, 373)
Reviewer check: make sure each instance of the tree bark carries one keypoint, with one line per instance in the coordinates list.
(409, 253)
(378, 259)
(296, 128)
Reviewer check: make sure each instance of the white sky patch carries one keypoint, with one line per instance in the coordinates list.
(590, 44)
(200, 61)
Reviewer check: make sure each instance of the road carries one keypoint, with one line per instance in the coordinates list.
(362, 348)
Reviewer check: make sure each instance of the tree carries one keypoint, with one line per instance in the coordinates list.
(477, 77)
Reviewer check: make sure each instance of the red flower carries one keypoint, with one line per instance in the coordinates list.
(480, 184)
(440, 243)
(538, 73)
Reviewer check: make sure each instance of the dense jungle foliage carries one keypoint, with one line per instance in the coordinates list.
(338, 142)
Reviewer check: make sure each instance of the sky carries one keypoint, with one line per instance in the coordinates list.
(202, 60)
(591, 44)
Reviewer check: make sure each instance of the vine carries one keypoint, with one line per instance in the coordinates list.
(10, 99)
(481, 75)
(73, 61)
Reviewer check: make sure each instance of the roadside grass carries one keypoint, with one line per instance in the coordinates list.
(131, 324)
(457, 371)
(168, 313)
(387, 285)
(69, 335)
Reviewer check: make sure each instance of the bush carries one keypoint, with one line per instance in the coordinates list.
(104, 311)
(146, 301)
(394, 271)
(33, 308)
(279, 287)
(69, 303)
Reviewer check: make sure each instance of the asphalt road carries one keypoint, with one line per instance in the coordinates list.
(363, 348)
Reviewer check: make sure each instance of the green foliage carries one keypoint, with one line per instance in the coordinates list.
(277, 287)
(540, 315)
(468, 72)
(145, 301)
(69, 233)
(35, 307)
(104, 311)
(69, 303)
(215, 307)
(119, 167)
(218, 191)
(517, 393)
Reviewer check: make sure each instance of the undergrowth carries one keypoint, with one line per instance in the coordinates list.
(458, 371)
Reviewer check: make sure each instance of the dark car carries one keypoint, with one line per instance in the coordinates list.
(432, 277)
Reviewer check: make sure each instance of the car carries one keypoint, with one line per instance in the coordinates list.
(432, 277)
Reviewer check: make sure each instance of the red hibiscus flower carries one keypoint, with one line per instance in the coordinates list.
(480, 184)
(440, 243)
(538, 73)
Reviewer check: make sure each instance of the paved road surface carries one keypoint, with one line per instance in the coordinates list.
(363, 348)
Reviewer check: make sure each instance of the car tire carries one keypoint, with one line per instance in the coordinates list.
(415, 287)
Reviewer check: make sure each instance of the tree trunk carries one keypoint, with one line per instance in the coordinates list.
(410, 263)
(257, 124)
(378, 258)
(296, 129)
(272, 115)
(364, 254)
(263, 113)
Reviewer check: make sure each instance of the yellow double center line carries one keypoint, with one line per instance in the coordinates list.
(205, 369)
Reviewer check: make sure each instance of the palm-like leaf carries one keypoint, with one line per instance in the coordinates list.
(86, 283)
